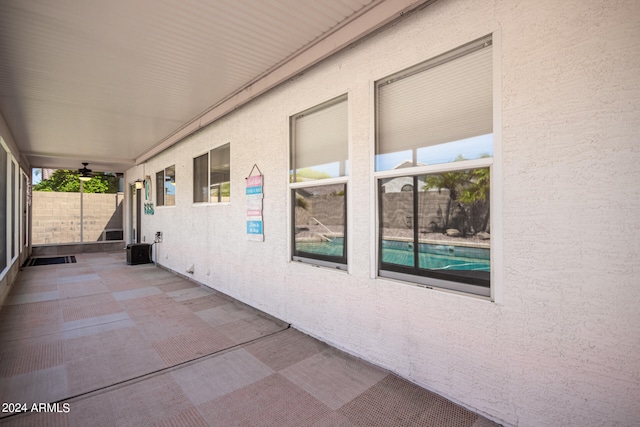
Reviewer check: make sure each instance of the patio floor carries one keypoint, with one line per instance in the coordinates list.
(109, 344)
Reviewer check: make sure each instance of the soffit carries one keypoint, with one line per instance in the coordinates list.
(105, 81)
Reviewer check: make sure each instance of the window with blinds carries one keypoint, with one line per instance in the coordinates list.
(166, 187)
(434, 219)
(319, 146)
(437, 112)
(318, 176)
(212, 176)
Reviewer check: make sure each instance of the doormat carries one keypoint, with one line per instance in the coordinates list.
(69, 259)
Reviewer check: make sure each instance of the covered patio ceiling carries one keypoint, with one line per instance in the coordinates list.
(114, 82)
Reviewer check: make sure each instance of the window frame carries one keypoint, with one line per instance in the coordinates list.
(329, 261)
(210, 185)
(337, 263)
(5, 262)
(432, 280)
(161, 190)
(24, 209)
(493, 163)
(14, 206)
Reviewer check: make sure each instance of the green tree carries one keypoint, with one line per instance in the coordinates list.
(469, 189)
(454, 182)
(476, 197)
(305, 174)
(64, 180)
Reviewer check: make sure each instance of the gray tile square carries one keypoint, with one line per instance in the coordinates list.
(212, 378)
(136, 293)
(272, 401)
(285, 349)
(225, 313)
(189, 293)
(74, 290)
(77, 279)
(32, 297)
(94, 321)
(86, 331)
(44, 385)
(333, 377)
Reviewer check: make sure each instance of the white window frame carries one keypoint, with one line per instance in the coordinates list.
(495, 165)
(344, 180)
(164, 188)
(209, 185)
(24, 208)
(14, 206)
(7, 203)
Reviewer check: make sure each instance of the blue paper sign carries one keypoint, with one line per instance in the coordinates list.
(254, 227)
(253, 190)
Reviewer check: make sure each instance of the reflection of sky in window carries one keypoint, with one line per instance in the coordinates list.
(332, 169)
(470, 148)
(171, 188)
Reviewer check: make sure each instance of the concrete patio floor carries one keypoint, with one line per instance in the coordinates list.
(113, 344)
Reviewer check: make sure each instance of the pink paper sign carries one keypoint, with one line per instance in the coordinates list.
(254, 181)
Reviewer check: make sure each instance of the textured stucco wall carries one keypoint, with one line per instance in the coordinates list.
(561, 346)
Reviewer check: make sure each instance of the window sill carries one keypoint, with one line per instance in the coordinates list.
(462, 289)
(320, 264)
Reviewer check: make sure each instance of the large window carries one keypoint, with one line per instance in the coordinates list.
(4, 213)
(318, 176)
(166, 187)
(24, 206)
(434, 219)
(14, 210)
(212, 176)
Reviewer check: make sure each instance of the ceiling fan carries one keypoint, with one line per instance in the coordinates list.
(85, 173)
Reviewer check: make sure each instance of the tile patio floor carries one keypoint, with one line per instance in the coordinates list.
(139, 346)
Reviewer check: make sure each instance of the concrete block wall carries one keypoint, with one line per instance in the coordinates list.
(56, 216)
(100, 212)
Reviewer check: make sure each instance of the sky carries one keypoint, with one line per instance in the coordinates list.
(470, 148)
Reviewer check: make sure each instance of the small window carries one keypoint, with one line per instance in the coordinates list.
(319, 152)
(319, 218)
(166, 187)
(434, 222)
(212, 176)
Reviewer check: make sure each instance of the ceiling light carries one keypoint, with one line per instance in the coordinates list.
(85, 173)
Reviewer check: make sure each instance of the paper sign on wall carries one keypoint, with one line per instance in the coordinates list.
(254, 195)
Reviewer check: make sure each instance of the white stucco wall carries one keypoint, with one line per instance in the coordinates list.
(561, 346)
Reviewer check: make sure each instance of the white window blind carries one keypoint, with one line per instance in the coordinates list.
(220, 164)
(200, 183)
(320, 137)
(446, 99)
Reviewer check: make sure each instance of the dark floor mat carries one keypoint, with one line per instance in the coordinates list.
(70, 259)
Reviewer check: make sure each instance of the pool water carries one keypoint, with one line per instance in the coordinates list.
(430, 256)
(332, 248)
(437, 257)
